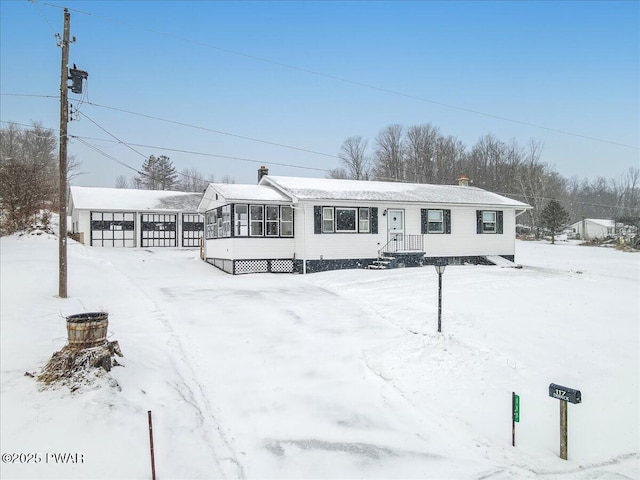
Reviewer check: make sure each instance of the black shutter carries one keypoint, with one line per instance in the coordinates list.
(423, 221)
(447, 221)
(317, 219)
(499, 221)
(374, 220)
(478, 221)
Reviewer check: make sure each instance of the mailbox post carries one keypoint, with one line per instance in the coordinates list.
(564, 394)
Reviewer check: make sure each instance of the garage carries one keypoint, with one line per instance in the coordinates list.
(192, 229)
(158, 230)
(113, 229)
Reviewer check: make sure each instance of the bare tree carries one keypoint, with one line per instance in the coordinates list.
(339, 173)
(192, 180)
(122, 182)
(420, 147)
(28, 179)
(354, 159)
(390, 154)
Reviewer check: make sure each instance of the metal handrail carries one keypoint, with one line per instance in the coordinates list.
(400, 242)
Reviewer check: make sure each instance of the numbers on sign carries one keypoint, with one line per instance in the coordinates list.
(562, 393)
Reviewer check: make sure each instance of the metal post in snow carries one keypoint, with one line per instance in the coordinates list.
(153, 463)
(439, 302)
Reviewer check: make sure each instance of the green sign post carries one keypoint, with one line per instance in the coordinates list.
(515, 416)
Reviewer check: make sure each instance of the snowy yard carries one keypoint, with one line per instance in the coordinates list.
(330, 375)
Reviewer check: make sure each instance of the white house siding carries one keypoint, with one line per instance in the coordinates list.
(594, 228)
(332, 246)
(464, 239)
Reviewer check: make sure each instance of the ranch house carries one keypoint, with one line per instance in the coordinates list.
(304, 225)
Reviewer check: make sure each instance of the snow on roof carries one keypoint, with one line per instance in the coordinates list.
(231, 191)
(97, 198)
(602, 222)
(334, 189)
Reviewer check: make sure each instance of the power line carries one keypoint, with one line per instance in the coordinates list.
(110, 157)
(175, 122)
(112, 135)
(205, 154)
(357, 83)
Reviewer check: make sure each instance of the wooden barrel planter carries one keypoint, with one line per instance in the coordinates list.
(86, 330)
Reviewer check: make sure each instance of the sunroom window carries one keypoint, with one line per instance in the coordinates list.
(257, 220)
(272, 220)
(241, 221)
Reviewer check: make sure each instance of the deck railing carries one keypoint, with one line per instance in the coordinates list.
(399, 242)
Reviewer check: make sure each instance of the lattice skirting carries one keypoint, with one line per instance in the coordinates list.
(239, 267)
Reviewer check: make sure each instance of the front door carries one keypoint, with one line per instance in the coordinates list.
(395, 229)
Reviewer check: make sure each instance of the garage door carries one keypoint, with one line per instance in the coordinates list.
(192, 229)
(113, 229)
(158, 230)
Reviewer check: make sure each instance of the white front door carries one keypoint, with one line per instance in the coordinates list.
(395, 228)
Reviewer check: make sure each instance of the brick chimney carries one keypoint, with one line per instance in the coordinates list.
(463, 181)
(262, 171)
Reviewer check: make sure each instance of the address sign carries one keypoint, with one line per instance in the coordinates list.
(567, 394)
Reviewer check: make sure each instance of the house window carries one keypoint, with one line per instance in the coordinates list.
(286, 221)
(257, 220)
(346, 219)
(327, 220)
(488, 222)
(209, 221)
(272, 220)
(241, 221)
(363, 220)
(435, 221)
(226, 221)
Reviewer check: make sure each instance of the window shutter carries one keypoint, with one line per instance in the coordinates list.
(478, 221)
(423, 221)
(499, 221)
(447, 221)
(374, 220)
(317, 219)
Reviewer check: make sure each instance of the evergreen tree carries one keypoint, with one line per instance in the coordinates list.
(554, 217)
(158, 173)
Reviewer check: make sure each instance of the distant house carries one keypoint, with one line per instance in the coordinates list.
(291, 224)
(590, 228)
(117, 217)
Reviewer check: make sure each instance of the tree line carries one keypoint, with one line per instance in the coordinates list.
(159, 173)
(29, 178)
(422, 154)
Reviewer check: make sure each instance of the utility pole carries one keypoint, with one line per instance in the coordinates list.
(64, 118)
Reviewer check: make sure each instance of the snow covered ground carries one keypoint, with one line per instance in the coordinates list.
(330, 375)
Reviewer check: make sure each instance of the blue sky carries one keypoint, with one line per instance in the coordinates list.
(275, 71)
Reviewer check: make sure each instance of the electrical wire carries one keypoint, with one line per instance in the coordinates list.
(175, 122)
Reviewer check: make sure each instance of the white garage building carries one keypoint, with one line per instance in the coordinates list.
(116, 217)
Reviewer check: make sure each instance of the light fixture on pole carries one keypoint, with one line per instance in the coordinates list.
(440, 266)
